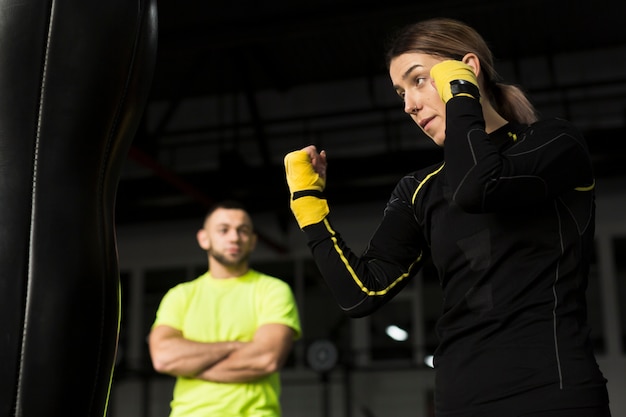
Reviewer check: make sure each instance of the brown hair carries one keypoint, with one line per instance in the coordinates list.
(227, 204)
(452, 39)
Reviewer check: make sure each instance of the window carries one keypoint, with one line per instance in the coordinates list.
(594, 308)
(620, 277)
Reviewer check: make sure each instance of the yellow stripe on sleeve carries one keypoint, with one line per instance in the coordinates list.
(353, 274)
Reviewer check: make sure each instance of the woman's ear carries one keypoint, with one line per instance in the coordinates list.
(472, 60)
(203, 239)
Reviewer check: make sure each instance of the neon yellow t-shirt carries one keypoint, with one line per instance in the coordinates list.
(213, 310)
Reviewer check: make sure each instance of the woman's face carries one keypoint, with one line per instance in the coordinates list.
(410, 75)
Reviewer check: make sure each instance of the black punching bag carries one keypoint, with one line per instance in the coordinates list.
(74, 80)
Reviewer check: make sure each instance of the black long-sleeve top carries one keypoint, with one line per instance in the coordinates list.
(508, 222)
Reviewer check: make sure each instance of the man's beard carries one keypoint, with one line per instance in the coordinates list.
(223, 260)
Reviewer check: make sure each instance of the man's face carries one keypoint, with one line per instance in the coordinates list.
(228, 236)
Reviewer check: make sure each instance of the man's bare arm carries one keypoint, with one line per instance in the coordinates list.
(266, 354)
(172, 354)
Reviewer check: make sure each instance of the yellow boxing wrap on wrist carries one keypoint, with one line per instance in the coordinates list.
(458, 73)
(307, 209)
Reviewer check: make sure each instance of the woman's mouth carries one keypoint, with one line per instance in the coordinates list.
(424, 122)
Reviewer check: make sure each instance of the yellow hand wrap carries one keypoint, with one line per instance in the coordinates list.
(306, 186)
(454, 78)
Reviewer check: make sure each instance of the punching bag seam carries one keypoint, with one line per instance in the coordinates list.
(27, 307)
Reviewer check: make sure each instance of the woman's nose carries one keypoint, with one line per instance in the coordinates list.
(410, 105)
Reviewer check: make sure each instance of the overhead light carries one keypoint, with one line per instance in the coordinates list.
(396, 333)
(428, 361)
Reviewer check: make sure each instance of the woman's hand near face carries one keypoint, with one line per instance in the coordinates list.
(454, 78)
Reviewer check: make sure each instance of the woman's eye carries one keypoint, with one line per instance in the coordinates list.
(420, 80)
